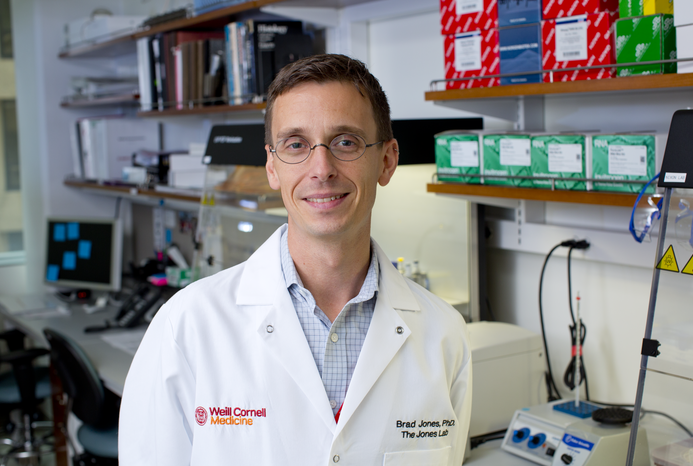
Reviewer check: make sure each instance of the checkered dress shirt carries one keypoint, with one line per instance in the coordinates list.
(335, 345)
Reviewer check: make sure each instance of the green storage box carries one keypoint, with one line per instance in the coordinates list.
(457, 153)
(507, 154)
(623, 157)
(559, 156)
(630, 8)
(645, 38)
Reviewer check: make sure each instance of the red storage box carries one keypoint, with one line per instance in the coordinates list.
(563, 8)
(584, 40)
(467, 15)
(473, 53)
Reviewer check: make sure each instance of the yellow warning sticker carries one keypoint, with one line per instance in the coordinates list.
(688, 268)
(668, 261)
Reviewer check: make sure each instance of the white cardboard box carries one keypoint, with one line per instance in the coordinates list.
(683, 12)
(684, 47)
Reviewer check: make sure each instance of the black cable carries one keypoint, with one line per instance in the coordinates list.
(481, 439)
(488, 308)
(570, 288)
(550, 383)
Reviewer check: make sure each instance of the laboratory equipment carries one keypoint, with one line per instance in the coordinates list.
(550, 437)
(666, 356)
(508, 374)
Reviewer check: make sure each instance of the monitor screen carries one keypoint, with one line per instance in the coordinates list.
(84, 253)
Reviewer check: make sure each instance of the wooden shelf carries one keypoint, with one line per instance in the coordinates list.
(124, 99)
(534, 194)
(215, 19)
(177, 200)
(629, 83)
(211, 109)
(130, 191)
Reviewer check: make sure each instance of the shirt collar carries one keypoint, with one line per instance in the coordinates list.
(291, 277)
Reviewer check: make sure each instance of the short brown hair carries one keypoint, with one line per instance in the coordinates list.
(331, 68)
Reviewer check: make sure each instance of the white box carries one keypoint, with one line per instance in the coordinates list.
(684, 47)
(185, 162)
(187, 179)
(683, 12)
(508, 369)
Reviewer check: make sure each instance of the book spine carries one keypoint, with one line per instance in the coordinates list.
(178, 62)
(75, 140)
(235, 65)
(156, 52)
(229, 61)
(144, 75)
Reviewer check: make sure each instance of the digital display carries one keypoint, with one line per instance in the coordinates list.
(82, 254)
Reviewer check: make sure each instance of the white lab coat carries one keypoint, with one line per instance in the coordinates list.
(233, 340)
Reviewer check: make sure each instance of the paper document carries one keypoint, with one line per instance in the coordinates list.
(125, 341)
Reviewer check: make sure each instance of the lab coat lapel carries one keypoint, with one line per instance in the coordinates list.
(263, 285)
(383, 339)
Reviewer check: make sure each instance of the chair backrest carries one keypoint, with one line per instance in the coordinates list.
(79, 378)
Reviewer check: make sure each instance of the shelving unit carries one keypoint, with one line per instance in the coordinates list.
(629, 83)
(523, 104)
(212, 109)
(189, 202)
(125, 99)
(534, 194)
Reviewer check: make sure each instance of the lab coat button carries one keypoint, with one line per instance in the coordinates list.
(335, 458)
(334, 337)
(333, 404)
(400, 330)
(270, 329)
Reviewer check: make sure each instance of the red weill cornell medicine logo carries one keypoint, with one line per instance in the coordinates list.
(201, 415)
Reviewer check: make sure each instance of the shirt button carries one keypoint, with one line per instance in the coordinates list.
(334, 337)
(333, 404)
(335, 458)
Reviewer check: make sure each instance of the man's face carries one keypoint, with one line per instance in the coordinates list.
(327, 197)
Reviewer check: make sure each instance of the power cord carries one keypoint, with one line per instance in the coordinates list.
(552, 388)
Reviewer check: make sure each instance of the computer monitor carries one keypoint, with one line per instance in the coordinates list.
(84, 253)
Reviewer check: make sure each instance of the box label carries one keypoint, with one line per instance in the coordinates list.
(565, 158)
(468, 52)
(628, 160)
(515, 152)
(464, 154)
(571, 40)
(465, 7)
(670, 177)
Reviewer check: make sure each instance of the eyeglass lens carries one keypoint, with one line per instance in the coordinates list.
(345, 147)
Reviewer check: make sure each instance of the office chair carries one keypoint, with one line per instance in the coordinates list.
(94, 405)
(23, 388)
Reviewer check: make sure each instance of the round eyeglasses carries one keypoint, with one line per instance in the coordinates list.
(345, 147)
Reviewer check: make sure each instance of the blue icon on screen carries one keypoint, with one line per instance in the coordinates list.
(84, 249)
(59, 232)
(73, 230)
(52, 273)
(69, 260)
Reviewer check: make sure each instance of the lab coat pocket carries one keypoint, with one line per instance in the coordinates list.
(437, 457)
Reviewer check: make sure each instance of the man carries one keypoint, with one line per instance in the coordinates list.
(316, 350)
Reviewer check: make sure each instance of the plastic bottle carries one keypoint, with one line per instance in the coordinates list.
(400, 265)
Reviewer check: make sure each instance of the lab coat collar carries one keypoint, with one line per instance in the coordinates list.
(262, 278)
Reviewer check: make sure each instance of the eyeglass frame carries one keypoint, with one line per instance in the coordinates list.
(310, 149)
